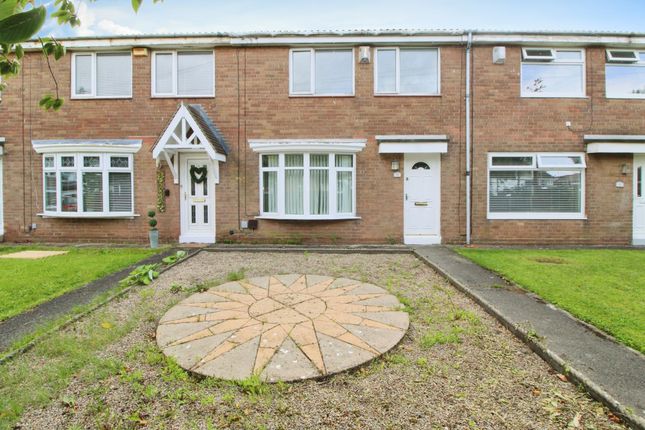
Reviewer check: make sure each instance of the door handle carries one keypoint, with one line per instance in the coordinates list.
(421, 203)
(406, 196)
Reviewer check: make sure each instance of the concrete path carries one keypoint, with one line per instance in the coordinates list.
(612, 373)
(16, 327)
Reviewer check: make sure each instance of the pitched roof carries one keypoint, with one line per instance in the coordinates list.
(208, 127)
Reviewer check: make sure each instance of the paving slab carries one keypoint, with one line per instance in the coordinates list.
(282, 328)
(32, 255)
(611, 372)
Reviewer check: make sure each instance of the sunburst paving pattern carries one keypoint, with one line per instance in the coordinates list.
(283, 328)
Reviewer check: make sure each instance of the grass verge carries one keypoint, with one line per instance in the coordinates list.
(604, 287)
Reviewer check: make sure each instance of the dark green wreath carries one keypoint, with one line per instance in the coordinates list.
(198, 174)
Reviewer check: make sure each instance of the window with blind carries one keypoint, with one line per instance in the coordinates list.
(102, 75)
(307, 185)
(536, 186)
(88, 185)
(321, 72)
(183, 74)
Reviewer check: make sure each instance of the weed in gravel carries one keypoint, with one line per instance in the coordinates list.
(432, 338)
(176, 288)
(398, 359)
(253, 385)
(172, 372)
(237, 275)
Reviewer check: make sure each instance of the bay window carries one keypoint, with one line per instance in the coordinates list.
(102, 75)
(536, 186)
(87, 185)
(307, 185)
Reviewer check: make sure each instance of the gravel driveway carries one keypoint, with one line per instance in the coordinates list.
(456, 368)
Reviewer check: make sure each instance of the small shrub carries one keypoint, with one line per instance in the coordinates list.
(174, 258)
(142, 275)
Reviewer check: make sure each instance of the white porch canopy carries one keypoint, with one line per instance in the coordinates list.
(615, 144)
(412, 144)
(190, 130)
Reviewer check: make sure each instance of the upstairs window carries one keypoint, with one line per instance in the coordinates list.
(183, 74)
(87, 185)
(406, 71)
(321, 72)
(536, 186)
(625, 74)
(553, 72)
(102, 75)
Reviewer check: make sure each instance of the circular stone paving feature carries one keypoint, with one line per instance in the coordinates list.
(283, 328)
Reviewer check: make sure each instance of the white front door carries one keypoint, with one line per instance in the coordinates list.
(639, 199)
(422, 199)
(197, 200)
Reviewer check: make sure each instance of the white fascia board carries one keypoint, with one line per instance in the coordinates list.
(413, 148)
(348, 146)
(556, 40)
(348, 40)
(412, 138)
(615, 148)
(150, 42)
(614, 138)
(44, 148)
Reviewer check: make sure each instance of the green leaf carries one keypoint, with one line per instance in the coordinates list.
(59, 51)
(136, 4)
(9, 7)
(22, 26)
(20, 52)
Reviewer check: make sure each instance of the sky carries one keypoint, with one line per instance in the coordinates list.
(116, 17)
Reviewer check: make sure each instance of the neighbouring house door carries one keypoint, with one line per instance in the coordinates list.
(197, 200)
(639, 199)
(422, 199)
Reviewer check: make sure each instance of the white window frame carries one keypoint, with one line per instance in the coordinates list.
(537, 156)
(333, 184)
(104, 168)
(175, 75)
(92, 94)
(620, 62)
(397, 68)
(312, 71)
(527, 60)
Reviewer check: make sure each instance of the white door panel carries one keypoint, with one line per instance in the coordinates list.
(197, 201)
(422, 199)
(639, 200)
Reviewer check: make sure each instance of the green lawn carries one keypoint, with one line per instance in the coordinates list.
(27, 283)
(604, 287)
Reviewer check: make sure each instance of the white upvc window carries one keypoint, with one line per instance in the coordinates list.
(625, 74)
(101, 75)
(547, 72)
(536, 185)
(321, 72)
(90, 185)
(407, 71)
(183, 74)
(308, 185)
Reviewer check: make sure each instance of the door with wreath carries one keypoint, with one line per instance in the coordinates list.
(197, 201)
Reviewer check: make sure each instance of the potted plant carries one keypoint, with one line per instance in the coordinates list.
(153, 234)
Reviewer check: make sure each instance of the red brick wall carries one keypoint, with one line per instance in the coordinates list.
(504, 121)
(252, 102)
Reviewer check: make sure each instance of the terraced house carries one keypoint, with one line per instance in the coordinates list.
(391, 136)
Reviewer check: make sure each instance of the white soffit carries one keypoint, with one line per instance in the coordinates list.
(413, 144)
(87, 145)
(348, 146)
(615, 144)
